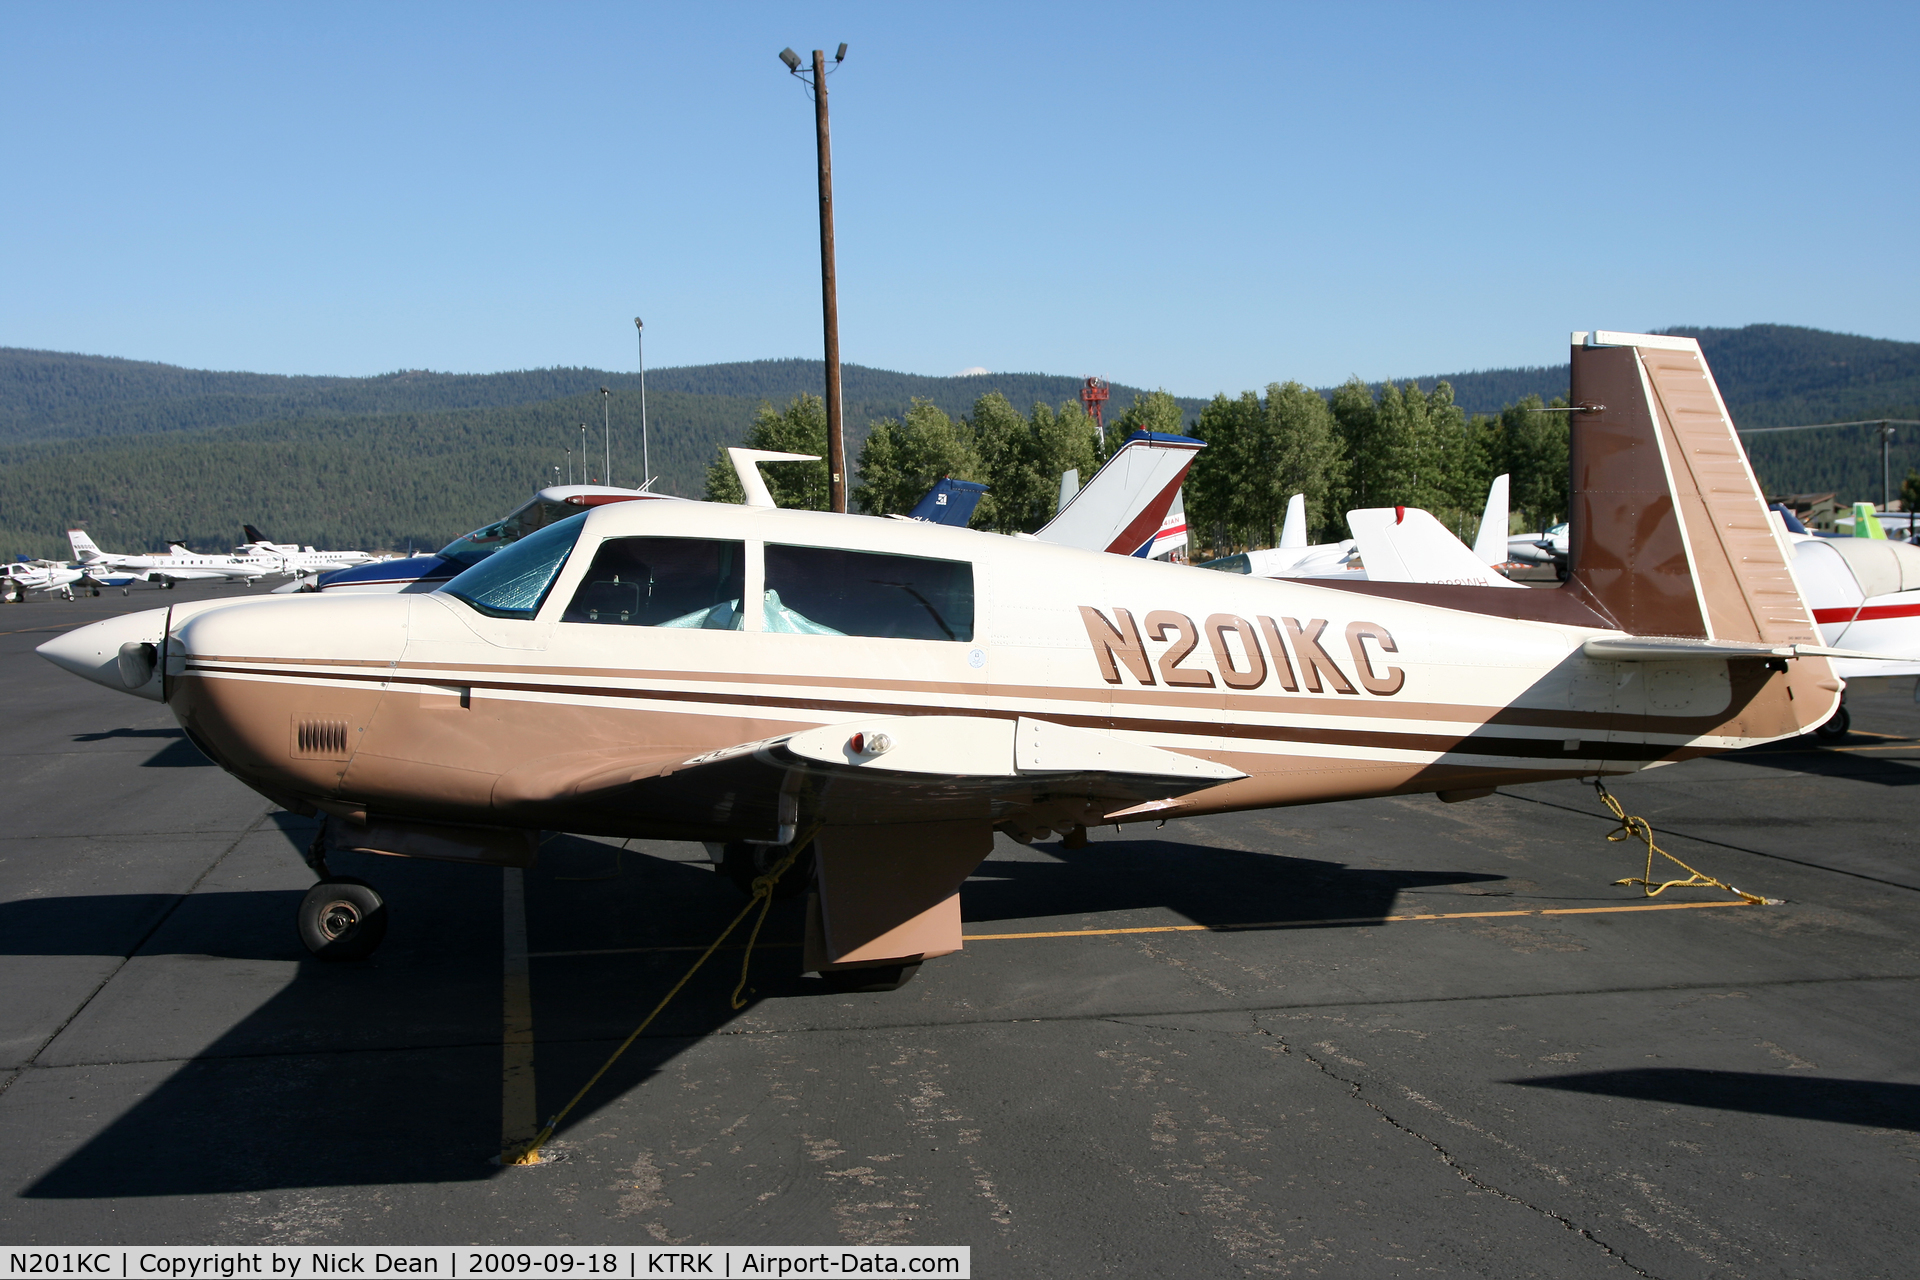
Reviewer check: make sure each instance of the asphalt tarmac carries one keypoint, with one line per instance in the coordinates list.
(1382, 1038)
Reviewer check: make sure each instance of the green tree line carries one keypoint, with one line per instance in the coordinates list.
(1361, 447)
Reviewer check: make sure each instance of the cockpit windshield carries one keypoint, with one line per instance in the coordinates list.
(515, 582)
(470, 549)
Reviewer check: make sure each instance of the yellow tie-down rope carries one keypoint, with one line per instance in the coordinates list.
(762, 894)
(1633, 828)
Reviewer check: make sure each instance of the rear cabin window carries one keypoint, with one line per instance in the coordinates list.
(828, 591)
(662, 582)
(514, 583)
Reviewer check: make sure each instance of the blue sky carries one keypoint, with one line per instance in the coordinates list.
(1200, 197)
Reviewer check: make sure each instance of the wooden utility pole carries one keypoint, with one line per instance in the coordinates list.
(829, 302)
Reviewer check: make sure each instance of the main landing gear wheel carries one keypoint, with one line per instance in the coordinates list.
(1835, 728)
(881, 977)
(743, 863)
(342, 918)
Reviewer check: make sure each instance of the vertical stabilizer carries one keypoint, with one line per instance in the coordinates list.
(1670, 534)
(1293, 533)
(83, 548)
(1490, 545)
(1124, 506)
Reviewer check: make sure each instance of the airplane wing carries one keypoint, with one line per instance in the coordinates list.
(878, 769)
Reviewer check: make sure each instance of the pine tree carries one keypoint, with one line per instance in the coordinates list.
(801, 429)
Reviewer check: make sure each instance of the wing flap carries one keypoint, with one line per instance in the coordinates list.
(874, 770)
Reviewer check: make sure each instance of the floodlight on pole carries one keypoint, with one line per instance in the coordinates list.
(829, 290)
(646, 457)
(606, 434)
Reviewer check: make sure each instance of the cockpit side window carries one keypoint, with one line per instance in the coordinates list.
(831, 591)
(662, 582)
(513, 583)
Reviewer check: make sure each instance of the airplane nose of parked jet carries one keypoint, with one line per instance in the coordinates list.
(121, 653)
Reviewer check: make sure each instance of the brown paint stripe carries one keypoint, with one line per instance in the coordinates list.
(1544, 748)
(1275, 703)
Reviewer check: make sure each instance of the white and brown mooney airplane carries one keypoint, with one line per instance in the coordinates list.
(897, 692)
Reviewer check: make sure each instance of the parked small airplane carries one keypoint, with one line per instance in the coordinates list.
(1390, 544)
(177, 565)
(24, 575)
(414, 574)
(886, 695)
(1549, 547)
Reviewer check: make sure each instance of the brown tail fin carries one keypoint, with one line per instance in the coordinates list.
(1670, 535)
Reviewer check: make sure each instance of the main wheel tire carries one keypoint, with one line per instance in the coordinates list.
(1835, 728)
(744, 863)
(342, 918)
(880, 977)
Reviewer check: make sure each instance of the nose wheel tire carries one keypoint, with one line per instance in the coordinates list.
(342, 918)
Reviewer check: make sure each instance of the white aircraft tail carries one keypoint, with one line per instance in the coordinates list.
(1294, 532)
(1406, 544)
(83, 548)
(1491, 544)
(1069, 486)
(1124, 507)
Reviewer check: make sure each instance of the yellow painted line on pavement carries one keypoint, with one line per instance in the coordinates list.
(1214, 928)
(1314, 924)
(20, 631)
(519, 1105)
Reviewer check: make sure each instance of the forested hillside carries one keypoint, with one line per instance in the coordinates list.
(139, 452)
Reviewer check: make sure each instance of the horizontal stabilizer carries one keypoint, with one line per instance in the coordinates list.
(1680, 648)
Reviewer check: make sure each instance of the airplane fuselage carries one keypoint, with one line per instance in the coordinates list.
(423, 706)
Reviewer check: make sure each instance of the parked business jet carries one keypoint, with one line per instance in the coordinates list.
(295, 559)
(889, 694)
(177, 565)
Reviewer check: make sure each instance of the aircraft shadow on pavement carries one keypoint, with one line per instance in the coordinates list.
(388, 1071)
(177, 754)
(1206, 885)
(1815, 762)
(234, 926)
(1876, 1103)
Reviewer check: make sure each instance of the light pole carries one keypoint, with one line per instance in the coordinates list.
(569, 466)
(606, 434)
(829, 303)
(584, 479)
(646, 457)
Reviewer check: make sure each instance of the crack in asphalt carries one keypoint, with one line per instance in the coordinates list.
(32, 1059)
(1357, 1093)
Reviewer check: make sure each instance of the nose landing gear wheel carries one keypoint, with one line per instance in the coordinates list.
(342, 918)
